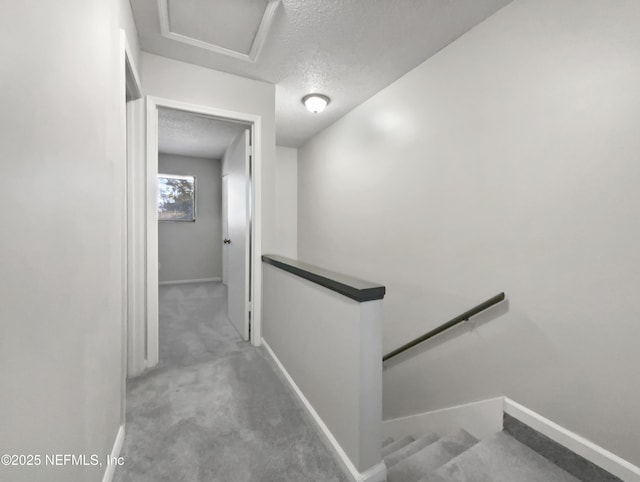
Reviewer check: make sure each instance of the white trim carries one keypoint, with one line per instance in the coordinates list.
(132, 70)
(256, 47)
(189, 281)
(152, 342)
(248, 160)
(134, 339)
(115, 453)
(129, 82)
(136, 214)
(177, 176)
(255, 124)
(124, 325)
(574, 442)
(377, 473)
(480, 419)
(263, 30)
(256, 233)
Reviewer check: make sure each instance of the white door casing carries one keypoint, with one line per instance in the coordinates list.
(136, 212)
(254, 206)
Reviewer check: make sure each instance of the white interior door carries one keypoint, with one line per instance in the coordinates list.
(236, 248)
(225, 231)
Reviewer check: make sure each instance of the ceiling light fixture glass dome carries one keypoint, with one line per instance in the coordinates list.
(316, 103)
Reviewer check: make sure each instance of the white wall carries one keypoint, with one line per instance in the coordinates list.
(62, 146)
(286, 201)
(508, 161)
(189, 251)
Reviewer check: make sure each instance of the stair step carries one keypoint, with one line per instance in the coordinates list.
(500, 458)
(408, 450)
(398, 444)
(387, 441)
(431, 457)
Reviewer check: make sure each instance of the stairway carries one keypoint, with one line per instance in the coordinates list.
(460, 457)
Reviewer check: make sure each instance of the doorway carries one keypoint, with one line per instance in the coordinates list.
(204, 214)
(133, 328)
(241, 219)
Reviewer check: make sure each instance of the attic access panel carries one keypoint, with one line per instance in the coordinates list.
(236, 28)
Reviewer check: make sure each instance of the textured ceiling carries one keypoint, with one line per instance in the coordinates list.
(187, 134)
(346, 49)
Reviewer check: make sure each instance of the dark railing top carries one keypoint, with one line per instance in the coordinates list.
(449, 324)
(353, 288)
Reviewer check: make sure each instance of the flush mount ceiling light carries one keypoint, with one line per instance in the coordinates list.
(316, 103)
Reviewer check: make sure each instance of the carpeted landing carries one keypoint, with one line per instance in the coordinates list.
(215, 409)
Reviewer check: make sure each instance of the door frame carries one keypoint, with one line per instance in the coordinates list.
(254, 123)
(132, 262)
(135, 262)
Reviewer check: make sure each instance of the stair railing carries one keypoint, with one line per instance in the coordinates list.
(445, 326)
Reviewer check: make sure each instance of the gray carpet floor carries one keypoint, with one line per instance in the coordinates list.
(215, 409)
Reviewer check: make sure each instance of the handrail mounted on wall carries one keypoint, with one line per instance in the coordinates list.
(449, 324)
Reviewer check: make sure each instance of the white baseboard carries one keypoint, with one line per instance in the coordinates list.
(189, 281)
(115, 453)
(480, 419)
(574, 442)
(377, 473)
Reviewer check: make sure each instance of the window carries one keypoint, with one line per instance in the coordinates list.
(176, 198)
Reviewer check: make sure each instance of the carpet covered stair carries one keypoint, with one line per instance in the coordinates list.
(396, 445)
(408, 450)
(460, 457)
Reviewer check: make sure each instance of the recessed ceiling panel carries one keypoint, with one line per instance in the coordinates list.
(236, 28)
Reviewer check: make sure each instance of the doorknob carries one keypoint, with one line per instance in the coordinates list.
(227, 241)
